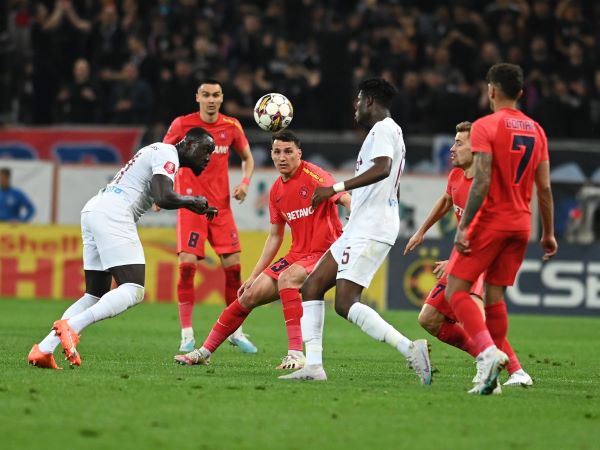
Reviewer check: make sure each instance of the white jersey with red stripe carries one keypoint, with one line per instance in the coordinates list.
(130, 188)
(375, 211)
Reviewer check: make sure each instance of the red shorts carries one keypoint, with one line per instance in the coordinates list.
(498, 253)
(193, 230)
(436, 297)
(307, 261)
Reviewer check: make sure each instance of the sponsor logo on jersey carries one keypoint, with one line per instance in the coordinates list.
(221, 149)
(303, 192)
(299, 213)
(169, 167)
(358, 163)
(310, 173)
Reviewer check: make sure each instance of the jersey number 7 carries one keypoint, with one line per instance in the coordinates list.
(518, 144)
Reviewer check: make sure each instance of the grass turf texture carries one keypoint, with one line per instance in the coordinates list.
(129, 394)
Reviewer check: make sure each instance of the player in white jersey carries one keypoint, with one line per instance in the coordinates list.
(111, 245)
(351, 262)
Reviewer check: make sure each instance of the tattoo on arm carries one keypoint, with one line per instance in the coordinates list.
(479, 188)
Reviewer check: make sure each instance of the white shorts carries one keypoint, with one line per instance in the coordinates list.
(110, 240)
(358, 259)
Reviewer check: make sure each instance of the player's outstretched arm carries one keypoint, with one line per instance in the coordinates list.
(272, 246)
(166, 198)
(439, 210)
(380, 170)
(241, 190)
(477, 193)
(546, 206)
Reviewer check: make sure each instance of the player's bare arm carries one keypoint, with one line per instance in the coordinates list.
(241, 190)
(272, 246)
(380, 170)
(439, 210)
(479, 189)
(166, 198)
(546, 206)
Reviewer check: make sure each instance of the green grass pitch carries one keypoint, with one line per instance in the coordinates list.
(128, 394)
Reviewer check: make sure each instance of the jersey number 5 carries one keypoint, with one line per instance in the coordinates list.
(518, 144)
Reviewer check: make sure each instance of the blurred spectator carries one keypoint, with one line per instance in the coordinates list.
(312, 50)
(78, 100)
(15, 206)
(132, 98)
(177, 94)
(241, 96)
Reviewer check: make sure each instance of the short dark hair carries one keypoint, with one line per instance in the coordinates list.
(286, 136)
(197, 134)
(209, 81)
(379, 89)
(5, 171)
(508, 78)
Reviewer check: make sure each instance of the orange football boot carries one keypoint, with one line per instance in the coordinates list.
(68, 339)
(40, 359)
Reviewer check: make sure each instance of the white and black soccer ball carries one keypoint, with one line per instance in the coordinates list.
(273, 112)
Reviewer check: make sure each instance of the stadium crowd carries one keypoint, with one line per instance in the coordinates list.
(139, 62)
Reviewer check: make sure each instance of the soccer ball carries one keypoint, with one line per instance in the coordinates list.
(273, 112)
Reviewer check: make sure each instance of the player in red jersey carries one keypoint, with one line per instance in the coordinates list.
(510, 154)
(437, 316)
(313, 232)
(194, 230)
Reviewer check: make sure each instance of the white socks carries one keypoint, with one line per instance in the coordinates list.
(111, 304)
(312, 330)
(373, 324)
(187, 333)
(50, 342)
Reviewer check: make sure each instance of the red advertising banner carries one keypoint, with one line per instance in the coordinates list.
(71, 145)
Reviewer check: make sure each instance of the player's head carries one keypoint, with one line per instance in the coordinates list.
(286, 152)
(460, 153)
(195, 149)
(374, 95)
(505, 83)
(209, 97)
(4, 178)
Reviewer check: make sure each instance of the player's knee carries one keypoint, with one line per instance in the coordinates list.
(428, 322)
(135, 293)
(310, 290)
(248, 299)
(342, 308)
(187, 270)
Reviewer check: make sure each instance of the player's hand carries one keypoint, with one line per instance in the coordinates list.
(211, 212)
(155, 207)
(321, 194)
(440, 268)
(415, 240)
(549, 246)
(198, 204)
(245, 286)
(461, 242)
(240, 192)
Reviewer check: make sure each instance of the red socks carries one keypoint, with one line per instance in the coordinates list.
(233, 282)
(496, 318)
(292, 313)
(470, 316)
(230, 320)
(454, 334)
(185, 293)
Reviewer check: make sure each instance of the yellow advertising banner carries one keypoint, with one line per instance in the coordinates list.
(44, 261)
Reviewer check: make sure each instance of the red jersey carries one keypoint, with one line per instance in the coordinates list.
(289, 202)
(213, 182)
(458, 188)
(518, 144)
